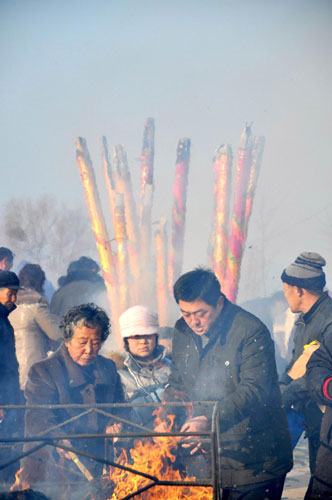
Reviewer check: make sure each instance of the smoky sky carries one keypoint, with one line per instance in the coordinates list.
(201, 70)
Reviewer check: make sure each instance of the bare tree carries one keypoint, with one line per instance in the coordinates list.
(47, 232)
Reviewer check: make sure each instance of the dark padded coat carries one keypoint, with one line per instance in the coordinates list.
(9, 393)
(59, 380)
(319, 370)
(237, 369)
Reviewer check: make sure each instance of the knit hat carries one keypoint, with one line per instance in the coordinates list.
(306, 272)
(138, 320)
(8, 279)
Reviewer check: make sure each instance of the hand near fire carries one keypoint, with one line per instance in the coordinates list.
(194, 424)
(63, 453)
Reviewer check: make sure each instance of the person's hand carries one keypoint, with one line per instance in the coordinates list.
(63, 453)
(195, 424)
(299, 367)
(2, 415)
(114, 428)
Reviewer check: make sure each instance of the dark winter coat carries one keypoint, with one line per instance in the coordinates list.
(237, 369)
(313, 325)
(9, 392)
(78, 287)
(59, 380)
(319, 370)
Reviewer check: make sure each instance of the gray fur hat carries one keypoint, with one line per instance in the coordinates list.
(306, 272)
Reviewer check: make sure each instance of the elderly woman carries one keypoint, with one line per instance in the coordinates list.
(74, 374)
(36, 329)
(146, 366)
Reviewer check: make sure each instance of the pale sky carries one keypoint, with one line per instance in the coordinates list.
(201, 69)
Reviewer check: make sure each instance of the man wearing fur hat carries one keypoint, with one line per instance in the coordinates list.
(304, 281)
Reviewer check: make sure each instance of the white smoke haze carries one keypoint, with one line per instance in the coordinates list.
(201, 70)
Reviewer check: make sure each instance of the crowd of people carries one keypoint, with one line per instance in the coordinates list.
(50, 355)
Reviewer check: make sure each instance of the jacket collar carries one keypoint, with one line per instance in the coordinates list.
(138, 365)
(4, 312)
(305, 318)
(77, 374)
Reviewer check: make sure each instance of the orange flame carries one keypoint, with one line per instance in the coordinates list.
(154, 458)
(18, 485)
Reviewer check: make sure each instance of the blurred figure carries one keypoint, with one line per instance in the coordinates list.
(9, 393)
(146, 365)
(304, 281)
(81, 285)
(36, 329)
(74, 374)
(6, 259)
(319, 383)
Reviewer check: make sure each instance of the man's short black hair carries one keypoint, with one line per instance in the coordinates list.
(199, 284)
(88, 315)
(5, 253)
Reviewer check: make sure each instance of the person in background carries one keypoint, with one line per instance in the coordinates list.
(146, 366)
(319, 384)
(6, 259)
(81, 285)
(36, 329)
(74, 374)
(9, 378)
(304, 281)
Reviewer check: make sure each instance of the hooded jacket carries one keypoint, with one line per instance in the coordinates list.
(35, 328)
(237, 370)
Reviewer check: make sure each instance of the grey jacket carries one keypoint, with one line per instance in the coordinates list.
(237, 370)
(35, 330)
(144, 382)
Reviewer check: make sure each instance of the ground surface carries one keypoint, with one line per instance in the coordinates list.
(298, 478)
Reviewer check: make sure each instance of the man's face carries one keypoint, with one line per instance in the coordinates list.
(85, 344)
(6, 264)
(8, 297)
(199, 315)
(293, 297)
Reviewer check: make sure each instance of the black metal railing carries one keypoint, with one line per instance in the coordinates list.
(42, 439)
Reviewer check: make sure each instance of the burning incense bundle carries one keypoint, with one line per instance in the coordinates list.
(237, 235)
(121, 251)
(222, 191)
(256, 160)
(122, 182)
(163, 297)
(145, 207)
(98, 225)
(179, 211)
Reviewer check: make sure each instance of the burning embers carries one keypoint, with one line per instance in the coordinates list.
(156, 460)
(152, 475)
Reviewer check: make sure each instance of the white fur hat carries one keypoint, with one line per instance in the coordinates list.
(138, 320)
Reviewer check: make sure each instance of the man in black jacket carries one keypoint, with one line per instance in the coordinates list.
(304, 281)
(319, 382)
(223, 353)
(9, 384)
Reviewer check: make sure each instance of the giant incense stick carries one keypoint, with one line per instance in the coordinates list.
(237, 234)
(222, 191)
(163, 296)
(179, 211)
(98, 227)
(256, 160)
(122, 181)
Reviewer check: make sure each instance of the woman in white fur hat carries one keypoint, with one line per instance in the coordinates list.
(146, 365)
